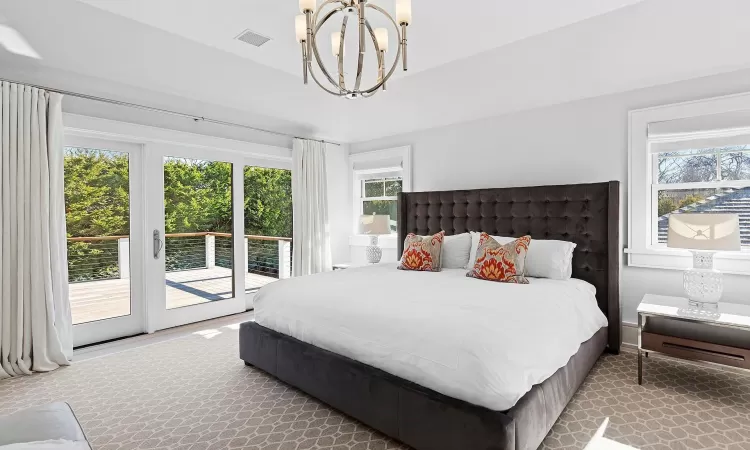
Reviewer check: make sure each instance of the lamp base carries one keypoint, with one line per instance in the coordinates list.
(373, 252)
(702, 283)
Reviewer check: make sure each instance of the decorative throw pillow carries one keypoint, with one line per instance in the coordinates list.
(497, 262)
(422, 252)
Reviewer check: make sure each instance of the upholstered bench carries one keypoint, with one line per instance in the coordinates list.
(51, 426)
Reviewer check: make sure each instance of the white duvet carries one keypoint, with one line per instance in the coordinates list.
(483, 342)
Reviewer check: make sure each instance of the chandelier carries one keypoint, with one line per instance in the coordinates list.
(312, 19)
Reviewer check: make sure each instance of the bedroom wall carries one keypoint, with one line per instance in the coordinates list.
(339, 201)
(577, 142)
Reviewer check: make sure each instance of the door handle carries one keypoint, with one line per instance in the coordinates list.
(158, 244)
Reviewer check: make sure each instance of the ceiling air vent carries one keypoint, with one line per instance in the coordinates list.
(252, 38)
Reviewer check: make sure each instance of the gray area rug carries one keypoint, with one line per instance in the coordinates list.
(194, 393)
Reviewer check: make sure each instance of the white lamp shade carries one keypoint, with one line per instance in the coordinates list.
(335, 42)
(381, 35)
(300, 27)
(306, 5)
(403, 11)
(710, 232)
(375, 224)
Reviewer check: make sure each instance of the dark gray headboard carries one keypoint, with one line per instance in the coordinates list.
(587, 214)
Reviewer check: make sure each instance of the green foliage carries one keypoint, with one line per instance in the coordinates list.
(689, 200)
(666, 205)
(197, 198)
(97, 198)
(669, 204)
(268, 202)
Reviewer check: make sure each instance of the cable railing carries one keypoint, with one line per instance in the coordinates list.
(108, 257)
(93, 260)
(184, 251)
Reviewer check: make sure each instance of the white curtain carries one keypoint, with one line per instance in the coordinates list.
(35, 320)
(312, 243)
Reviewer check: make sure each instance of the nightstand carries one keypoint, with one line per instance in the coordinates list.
(675, 327)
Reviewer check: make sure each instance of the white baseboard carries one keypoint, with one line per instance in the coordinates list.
(629, 334)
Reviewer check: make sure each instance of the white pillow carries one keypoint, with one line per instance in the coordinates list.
(545, 258)
(456, 251)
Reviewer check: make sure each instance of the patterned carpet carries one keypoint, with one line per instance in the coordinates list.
(194, 393)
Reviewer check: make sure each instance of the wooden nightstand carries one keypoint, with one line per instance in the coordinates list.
(671, 325)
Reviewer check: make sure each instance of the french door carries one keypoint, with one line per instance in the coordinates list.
(195, 249)
(104, 201)
(156, 236)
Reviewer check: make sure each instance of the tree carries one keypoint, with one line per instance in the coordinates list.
(268, 202)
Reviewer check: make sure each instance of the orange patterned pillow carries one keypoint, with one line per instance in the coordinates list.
(422, 252)
(504, 263)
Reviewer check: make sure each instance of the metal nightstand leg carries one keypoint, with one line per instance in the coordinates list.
(640, 356)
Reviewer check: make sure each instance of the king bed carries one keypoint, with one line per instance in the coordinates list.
(441, 361)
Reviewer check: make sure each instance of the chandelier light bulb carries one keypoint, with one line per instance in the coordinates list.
(381, 34)
(403, 12)
(300, 27)
(306, 5)
(335, 43)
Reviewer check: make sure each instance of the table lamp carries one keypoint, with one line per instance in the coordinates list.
(374, 225)
(704, 235)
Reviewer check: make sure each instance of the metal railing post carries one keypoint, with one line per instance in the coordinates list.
(210, 251)
(285, 260)
(244, 259)
(123, 257)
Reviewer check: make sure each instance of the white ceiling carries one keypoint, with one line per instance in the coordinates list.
(442, 30)
(179, 54)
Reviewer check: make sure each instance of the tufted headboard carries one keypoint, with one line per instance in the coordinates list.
(587, 214)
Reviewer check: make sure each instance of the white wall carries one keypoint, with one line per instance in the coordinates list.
(578, 142)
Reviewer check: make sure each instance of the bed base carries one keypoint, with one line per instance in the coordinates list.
(412, 414)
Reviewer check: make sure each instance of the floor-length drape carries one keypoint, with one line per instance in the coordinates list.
(312, 241)
(35, 320)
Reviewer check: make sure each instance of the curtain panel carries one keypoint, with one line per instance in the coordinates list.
(312, 240)
(35, 319)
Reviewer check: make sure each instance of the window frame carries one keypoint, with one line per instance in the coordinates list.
(643, 250)
(373, 165)
(377, 176)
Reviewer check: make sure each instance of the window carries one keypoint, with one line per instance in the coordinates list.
(688, 158)
(704, 180)
(380, 196)
(378, 177)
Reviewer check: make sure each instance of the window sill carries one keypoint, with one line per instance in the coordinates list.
(737, 263)
(363, 240)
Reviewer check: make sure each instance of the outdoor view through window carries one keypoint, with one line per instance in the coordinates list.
(198, 230)
(380, 196)
(708, 180)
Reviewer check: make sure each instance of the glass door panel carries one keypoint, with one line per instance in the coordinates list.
(97, 216)
(99, 186)
(193, 220)
(268, 225)
(198, 244)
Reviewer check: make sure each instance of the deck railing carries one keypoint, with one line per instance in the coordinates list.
(108, 257)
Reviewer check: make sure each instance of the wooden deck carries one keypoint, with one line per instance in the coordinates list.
(96, 300)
